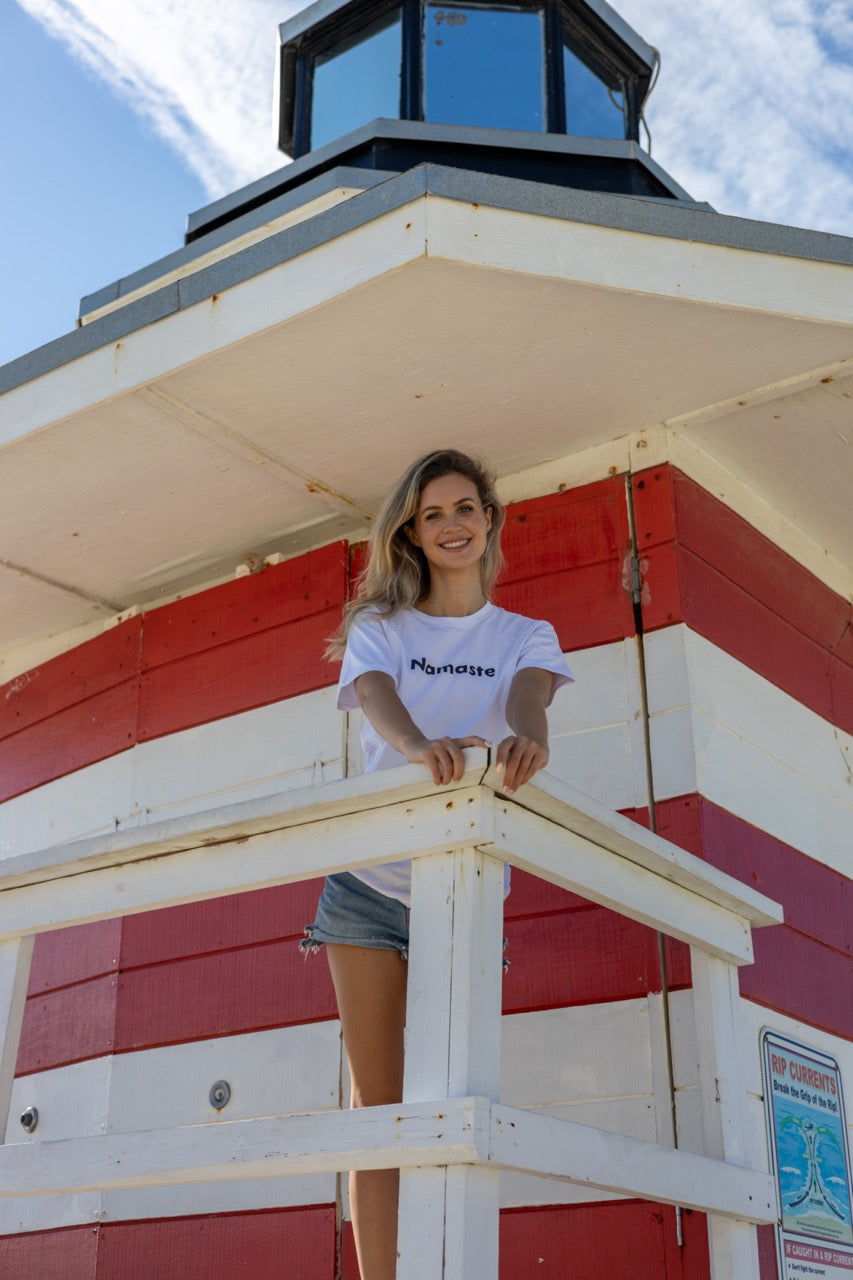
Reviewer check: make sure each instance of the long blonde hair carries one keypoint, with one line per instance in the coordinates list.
(396, 575)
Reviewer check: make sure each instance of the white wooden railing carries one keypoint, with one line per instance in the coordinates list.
(451, 1135)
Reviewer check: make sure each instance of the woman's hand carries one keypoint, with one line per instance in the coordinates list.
(442, 756)
(526, 751)
(381, 704)
(518, 758)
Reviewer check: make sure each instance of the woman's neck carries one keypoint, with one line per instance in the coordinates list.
(452, 599)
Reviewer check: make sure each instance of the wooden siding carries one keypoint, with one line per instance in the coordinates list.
(804, 967)
(266, 1246)
(231, 968)
(706, 566)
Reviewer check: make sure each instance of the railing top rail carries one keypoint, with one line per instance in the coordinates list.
(398, 800)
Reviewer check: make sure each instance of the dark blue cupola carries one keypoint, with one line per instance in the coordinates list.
(543, 89)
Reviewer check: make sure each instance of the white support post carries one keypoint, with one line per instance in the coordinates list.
(733, 1244)
(448, 1225)
(15, 957)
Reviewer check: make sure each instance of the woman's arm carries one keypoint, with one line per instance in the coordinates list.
(381, 703)
(523, 754)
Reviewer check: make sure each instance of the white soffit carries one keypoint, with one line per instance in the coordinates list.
(275, 413)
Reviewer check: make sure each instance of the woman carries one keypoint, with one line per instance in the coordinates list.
(435, 667)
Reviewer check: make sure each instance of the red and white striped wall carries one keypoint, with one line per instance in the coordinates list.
(730, 687)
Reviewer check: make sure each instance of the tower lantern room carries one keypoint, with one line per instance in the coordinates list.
(563, 83)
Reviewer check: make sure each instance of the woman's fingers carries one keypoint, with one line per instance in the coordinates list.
(519, 758)
(444, 757)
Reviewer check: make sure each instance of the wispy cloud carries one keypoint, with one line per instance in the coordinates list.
(199, 71)
(753, 107)
(752, 111)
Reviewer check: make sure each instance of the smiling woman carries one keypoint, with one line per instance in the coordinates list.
(422, 626)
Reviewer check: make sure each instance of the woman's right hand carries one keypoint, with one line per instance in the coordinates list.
(442, 756)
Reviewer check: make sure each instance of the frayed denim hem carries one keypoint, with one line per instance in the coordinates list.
(310, 945)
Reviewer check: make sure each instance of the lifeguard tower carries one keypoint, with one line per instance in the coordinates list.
(471, 246)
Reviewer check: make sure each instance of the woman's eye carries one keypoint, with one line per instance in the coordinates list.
(466, 509)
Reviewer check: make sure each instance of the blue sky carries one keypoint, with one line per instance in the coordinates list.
(122, 116)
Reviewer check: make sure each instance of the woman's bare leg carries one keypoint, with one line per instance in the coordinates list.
(370, 986)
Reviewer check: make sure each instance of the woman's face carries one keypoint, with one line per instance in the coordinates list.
(451, 525)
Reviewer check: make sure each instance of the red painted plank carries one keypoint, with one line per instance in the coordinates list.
(229, 992)
(100, 727)
(582, 957)
(654, 507)
(583, 526)
(68, 1025)
(678, 586)
(623, 1240)
(70, 1253)
(530, 896)
(803, 968)
(109, 659)
(273, 1244)
(66, 956)
(768, 1266)
(695, 1256)
(258, 669)
(716, 534)
(280, 594)
(817, 900)
(705, 565)
(586, 606)
(800, 977)
(221, 924)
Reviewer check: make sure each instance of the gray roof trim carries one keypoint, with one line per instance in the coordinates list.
(423, 131)
(628, 213)
(286, 203)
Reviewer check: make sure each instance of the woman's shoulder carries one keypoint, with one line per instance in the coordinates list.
(516, 621)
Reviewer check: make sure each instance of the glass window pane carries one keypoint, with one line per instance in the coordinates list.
(484, 67)
(357, 80)
(593, 109)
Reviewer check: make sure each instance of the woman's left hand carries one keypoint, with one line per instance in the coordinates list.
(518, 758)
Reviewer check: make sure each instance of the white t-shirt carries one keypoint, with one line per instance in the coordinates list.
(453, 676)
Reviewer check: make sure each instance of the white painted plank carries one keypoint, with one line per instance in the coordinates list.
(571, 810)
(733, 1246)
(471, 1224)
(239, 864)
(404, 1135)
(242, 757)
(73, 1101)
(420, 1223)
(256, 753)
(527, 1141)
(453, 1020)
(453, 1013)
(203, 828)
(576, 1055)
(574, 863)
(719, 728)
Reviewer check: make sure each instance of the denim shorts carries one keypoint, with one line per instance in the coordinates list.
(349, 911)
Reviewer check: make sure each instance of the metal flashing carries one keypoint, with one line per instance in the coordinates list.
(629, 213)
(221, 236)
(341, 152)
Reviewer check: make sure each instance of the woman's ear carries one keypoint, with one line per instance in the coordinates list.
(488, 514)
(411, 535)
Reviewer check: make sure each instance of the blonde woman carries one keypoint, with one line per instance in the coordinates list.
(435, 667)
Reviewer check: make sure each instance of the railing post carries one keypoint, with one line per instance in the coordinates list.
(733, 1245)
(448, 1222)
(15, 958)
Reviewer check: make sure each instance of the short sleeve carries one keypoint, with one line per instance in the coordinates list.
(541, 649)
(368, 649)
